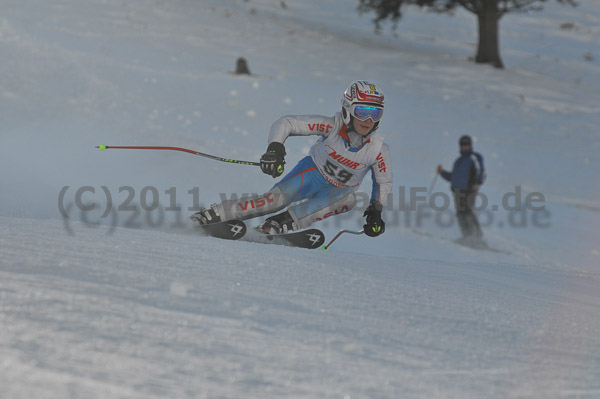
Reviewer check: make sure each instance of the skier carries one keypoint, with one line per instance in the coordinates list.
(467, 175)
(324, 183)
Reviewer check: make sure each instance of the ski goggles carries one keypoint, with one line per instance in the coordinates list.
(364, 112)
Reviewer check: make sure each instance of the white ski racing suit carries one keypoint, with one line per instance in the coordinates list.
(324, 183)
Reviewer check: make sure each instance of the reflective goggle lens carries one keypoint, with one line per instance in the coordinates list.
(364, 112)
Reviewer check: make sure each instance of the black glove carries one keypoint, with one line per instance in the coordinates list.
(374, 226)
(273, 161)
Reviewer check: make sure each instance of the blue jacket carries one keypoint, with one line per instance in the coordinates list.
(468, 172)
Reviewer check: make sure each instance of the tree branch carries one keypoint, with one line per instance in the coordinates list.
(469, 5)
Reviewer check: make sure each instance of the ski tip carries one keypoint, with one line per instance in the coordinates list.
(102, 147)
(325, 248)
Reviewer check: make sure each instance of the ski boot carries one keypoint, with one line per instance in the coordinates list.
(278, 224)
(207, 216)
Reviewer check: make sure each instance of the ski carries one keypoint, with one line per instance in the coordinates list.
(479, 245)
(309, 239)
(476, 244)
(229, 230)
(236, 229)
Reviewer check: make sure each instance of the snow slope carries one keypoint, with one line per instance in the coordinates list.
(142, 314)
(134, 73)
(142, 306)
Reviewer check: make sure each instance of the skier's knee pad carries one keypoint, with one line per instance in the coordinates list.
(254, 205)
(335, 203)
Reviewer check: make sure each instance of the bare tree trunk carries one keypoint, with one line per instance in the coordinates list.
(488, 51)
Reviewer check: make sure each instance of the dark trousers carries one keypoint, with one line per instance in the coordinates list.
(464, 202)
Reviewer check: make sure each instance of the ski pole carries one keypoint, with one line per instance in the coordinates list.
(432, 184)
(103, 147)
(326, 247)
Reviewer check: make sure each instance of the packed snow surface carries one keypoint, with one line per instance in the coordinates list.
(129, 300)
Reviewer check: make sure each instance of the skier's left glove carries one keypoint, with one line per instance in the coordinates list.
(272, 162)
(375, 225)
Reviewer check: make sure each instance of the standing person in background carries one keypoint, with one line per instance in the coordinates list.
(468, 174)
